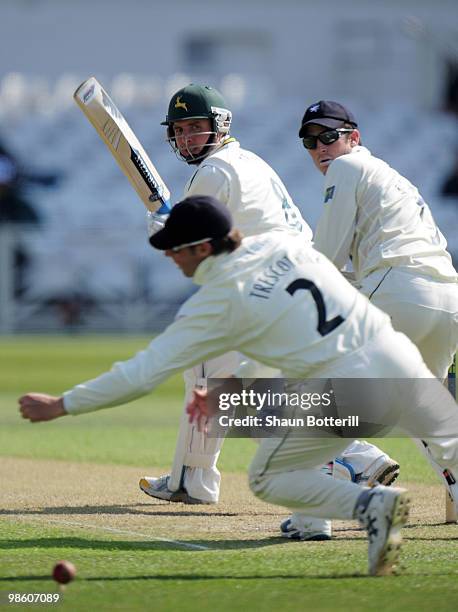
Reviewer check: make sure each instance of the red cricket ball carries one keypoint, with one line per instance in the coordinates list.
(64, 572)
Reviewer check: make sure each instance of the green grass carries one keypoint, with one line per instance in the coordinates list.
(127, 573)
(123, 574)
(140, 433)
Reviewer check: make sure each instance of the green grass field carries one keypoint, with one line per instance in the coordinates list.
(69, 491)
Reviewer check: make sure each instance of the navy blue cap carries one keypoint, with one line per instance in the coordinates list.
(327, 113)
(194, 220)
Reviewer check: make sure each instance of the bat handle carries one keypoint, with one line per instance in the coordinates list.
(158, 205)
(165, 207)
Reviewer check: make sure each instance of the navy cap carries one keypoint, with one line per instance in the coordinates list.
(327, 113)
(194, 220)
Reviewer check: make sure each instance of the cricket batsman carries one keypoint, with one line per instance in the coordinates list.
(198, 128)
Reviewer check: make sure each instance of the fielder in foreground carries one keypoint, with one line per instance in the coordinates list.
(327, 330)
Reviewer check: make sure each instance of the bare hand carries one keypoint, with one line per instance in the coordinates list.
(41, 407)
(198, 409)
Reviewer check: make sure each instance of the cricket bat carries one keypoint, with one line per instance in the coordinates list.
(450, 510)
(125, 147)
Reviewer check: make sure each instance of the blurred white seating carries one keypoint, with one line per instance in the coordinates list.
(94, 236)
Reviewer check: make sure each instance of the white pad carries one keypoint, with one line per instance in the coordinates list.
(195, 449)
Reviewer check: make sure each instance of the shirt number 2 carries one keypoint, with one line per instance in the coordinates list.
(324, 327)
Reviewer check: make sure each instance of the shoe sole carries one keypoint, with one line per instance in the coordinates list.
(389, 554)
(386, 476)
(144, 486)
(180, 496)
(318, 537)
(183, 497)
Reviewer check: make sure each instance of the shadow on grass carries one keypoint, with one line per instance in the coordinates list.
(341, 533)
(192, 577)
(145, 510)
(149, 545)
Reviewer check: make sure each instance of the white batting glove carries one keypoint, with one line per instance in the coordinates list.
(155, 222)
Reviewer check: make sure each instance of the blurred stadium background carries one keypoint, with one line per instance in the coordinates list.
(80, 260)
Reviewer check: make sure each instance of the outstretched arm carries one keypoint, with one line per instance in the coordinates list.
(201, 332)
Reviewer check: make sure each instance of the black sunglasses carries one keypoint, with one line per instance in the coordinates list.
(326, 138)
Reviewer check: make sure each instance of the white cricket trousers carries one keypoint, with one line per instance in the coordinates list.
(426, 311)
(286, 471)
(196, 455)
(423, 309)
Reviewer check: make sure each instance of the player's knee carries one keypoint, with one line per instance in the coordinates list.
(258, 483)
(444, 451)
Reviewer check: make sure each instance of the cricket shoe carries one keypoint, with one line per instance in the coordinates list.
(382, 512)
(158, 488)
(383, 471)
(306, 528)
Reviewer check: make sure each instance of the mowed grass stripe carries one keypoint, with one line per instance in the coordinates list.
(133, 534)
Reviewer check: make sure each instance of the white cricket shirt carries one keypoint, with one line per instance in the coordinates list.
(275, 299)
(376, 217)
(250, 188)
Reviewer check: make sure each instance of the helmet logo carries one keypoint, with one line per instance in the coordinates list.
(180, 104)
